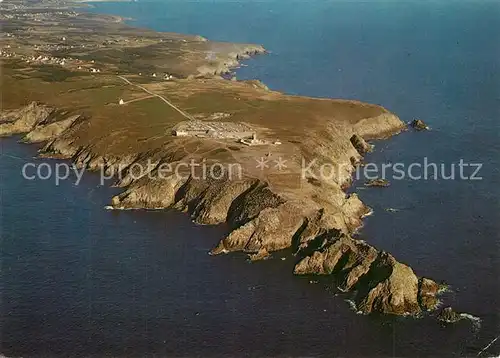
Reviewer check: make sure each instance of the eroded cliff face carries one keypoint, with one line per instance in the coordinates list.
(232, 60)
(378, 281)
(25, 119)
(315, 217)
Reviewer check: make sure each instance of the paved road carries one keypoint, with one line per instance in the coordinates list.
(160, 97)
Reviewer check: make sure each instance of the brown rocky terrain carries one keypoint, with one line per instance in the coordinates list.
(268, 208)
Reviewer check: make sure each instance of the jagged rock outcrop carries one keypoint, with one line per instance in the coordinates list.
(419, 125)
(262, 254)
(427, 292)
(24, 119)
(448, 315)
(150, 194)
(388, 287)
(272, 229)
(380, 182)
(313, 228)
(346, 258)
(50, 131)
(220, 66)
(40, 122)
(360, 144)
(382, 284)
(213, 204)
(383, 125)
(247, 206)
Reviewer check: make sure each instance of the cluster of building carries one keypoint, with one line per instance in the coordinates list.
(63, 47)
(46, 59)
(166, 76)
(7, 54)
(34, 16)
(240, 132)
(224, 130)
(218, 115)
(49, 60)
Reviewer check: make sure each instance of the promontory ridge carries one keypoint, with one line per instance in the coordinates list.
(112, 97)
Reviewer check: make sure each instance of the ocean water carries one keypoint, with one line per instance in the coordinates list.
(77, 278)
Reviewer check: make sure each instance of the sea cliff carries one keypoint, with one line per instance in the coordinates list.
(264, 216)
(118, 107)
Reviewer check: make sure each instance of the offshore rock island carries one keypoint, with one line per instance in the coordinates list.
(112, 97)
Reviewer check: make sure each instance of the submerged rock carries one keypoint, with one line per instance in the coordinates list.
(419, 125)
(392, 210)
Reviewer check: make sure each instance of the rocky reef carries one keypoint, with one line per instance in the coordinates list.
(419, 125)
(380, 182)
(448, 315)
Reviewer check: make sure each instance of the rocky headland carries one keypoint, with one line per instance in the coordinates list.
(103, 123)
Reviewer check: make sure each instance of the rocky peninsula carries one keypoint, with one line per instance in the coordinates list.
(112, 98)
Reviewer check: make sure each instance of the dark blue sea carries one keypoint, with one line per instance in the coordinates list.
(78, 280)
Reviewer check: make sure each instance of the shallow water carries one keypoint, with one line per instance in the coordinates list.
(78, 278)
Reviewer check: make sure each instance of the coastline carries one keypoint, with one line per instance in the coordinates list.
(236, 59)
(256, 212)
